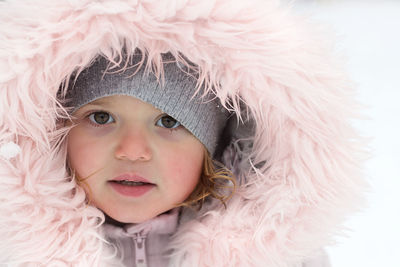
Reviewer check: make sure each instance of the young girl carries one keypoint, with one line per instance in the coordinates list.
(164, 133)
(136, 162)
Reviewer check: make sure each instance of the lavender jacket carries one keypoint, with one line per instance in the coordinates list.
(146, 244)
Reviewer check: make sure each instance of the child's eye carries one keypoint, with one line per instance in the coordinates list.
(101, 118)
(167, 121)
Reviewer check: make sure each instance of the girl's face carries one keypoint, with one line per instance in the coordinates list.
(136, 161)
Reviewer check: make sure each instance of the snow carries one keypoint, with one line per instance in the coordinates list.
(369, 35)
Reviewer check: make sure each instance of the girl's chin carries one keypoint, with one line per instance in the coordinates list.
(122, 219)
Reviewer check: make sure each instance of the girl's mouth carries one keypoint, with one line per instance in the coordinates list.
(131, 188)
(130, 183)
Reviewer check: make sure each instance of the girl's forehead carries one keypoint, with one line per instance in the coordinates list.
(101, 101)
(122, 102)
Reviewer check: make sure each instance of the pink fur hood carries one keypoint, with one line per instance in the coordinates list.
(294, 152)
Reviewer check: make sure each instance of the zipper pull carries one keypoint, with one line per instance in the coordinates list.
(140, 250)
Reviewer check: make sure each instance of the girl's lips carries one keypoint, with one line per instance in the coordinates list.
(131, 190)
(131, 178)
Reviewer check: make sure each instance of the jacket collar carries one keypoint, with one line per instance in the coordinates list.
(166, 223)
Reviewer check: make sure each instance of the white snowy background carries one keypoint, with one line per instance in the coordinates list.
(368, 33)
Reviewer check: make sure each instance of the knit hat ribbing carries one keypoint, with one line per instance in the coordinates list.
(204, 117)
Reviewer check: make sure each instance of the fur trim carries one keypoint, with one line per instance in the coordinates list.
(300, 178)
(9, 150)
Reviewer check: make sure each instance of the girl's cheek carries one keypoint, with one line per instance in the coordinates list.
(84, 150)
(185, 160)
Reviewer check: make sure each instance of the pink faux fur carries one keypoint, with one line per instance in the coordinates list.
(298, 183)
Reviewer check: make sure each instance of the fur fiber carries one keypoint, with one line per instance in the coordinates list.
(300, 173)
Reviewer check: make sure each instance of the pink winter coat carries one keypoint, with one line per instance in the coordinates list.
(146, 244)
(294, 152)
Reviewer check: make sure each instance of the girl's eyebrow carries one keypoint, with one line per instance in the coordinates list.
(95, 104)
(99, 102)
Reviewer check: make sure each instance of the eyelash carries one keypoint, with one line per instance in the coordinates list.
(92, 112)
(166, 115)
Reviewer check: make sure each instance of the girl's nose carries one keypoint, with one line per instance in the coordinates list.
(134, 145)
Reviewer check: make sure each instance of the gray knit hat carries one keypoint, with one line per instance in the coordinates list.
(204, 117)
